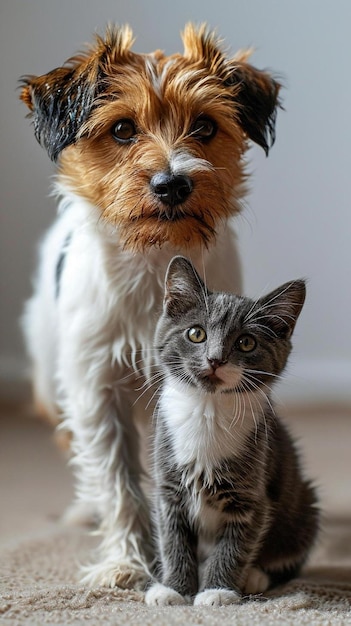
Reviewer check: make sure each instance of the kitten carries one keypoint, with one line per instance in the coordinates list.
(233, 514)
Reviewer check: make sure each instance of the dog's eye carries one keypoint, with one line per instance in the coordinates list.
(246, 343)
(196, 334)
(124, 131)
(204, 128)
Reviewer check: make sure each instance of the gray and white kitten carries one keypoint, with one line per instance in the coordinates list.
(233, 515)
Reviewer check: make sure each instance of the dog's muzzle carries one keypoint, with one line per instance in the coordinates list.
(171, 190)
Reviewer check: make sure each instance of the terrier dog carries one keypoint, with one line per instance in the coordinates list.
(150, 151)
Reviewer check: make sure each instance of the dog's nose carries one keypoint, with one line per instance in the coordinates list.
(171, 189)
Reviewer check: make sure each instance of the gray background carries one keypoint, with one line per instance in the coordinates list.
(298, 218)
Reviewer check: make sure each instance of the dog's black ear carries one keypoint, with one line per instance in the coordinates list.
(257, 96)
(62, 100)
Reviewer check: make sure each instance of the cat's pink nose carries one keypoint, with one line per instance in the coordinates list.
(216, 363)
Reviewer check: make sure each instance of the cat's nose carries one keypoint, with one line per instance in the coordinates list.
(216, 363)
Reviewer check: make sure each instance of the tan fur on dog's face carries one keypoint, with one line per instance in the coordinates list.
(184, 116)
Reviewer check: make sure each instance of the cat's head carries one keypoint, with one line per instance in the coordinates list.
(220, 342)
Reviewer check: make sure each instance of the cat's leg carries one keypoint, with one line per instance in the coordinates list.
(177, 553)
(257, 581)
(227, 570)
(105, 457)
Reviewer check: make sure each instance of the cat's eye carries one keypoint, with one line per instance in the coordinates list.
(124, 131)
(204, 128)
(196, 334)
(246, 343)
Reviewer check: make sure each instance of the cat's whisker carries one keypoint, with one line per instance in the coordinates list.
(251, 381)
(258, 384)
(266, 400)
(241, 406)
(150, 382)
(157, 391)
(147, 389)
(248, 392)
(138, 373)
(186, 379)
(265, 373)
(155, 379)
(175, 368)
(238, 414)
(247, 386)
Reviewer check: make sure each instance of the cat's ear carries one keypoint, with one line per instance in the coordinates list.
(184, 288)
(281, 308)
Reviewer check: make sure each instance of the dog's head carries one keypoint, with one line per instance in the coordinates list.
(155, 142)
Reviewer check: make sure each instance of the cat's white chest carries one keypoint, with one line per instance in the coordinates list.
(203, 428)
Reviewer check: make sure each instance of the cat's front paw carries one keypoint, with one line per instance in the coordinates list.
(163, 596)
(216, 597)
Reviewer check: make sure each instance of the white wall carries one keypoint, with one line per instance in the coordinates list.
(298, 219)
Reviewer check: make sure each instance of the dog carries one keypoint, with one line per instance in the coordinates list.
(150, 153)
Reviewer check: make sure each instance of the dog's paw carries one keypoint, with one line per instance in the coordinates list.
(257, 581)
(216, 597)
(123, 574)
(161, 595)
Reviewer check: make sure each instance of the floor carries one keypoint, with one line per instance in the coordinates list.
(35, 482)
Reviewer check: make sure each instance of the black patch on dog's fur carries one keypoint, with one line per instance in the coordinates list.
(60, 264)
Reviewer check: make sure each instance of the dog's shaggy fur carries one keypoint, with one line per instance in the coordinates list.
(150, 163)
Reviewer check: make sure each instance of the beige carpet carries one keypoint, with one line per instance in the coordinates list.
(39, 557)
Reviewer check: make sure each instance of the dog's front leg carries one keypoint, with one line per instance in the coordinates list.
(105, 457)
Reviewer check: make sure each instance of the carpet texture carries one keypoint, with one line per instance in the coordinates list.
(39, 568)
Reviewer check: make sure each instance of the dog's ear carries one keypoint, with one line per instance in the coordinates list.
(59, 102)
(202, 46)
(62, 100)
(256, 94)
